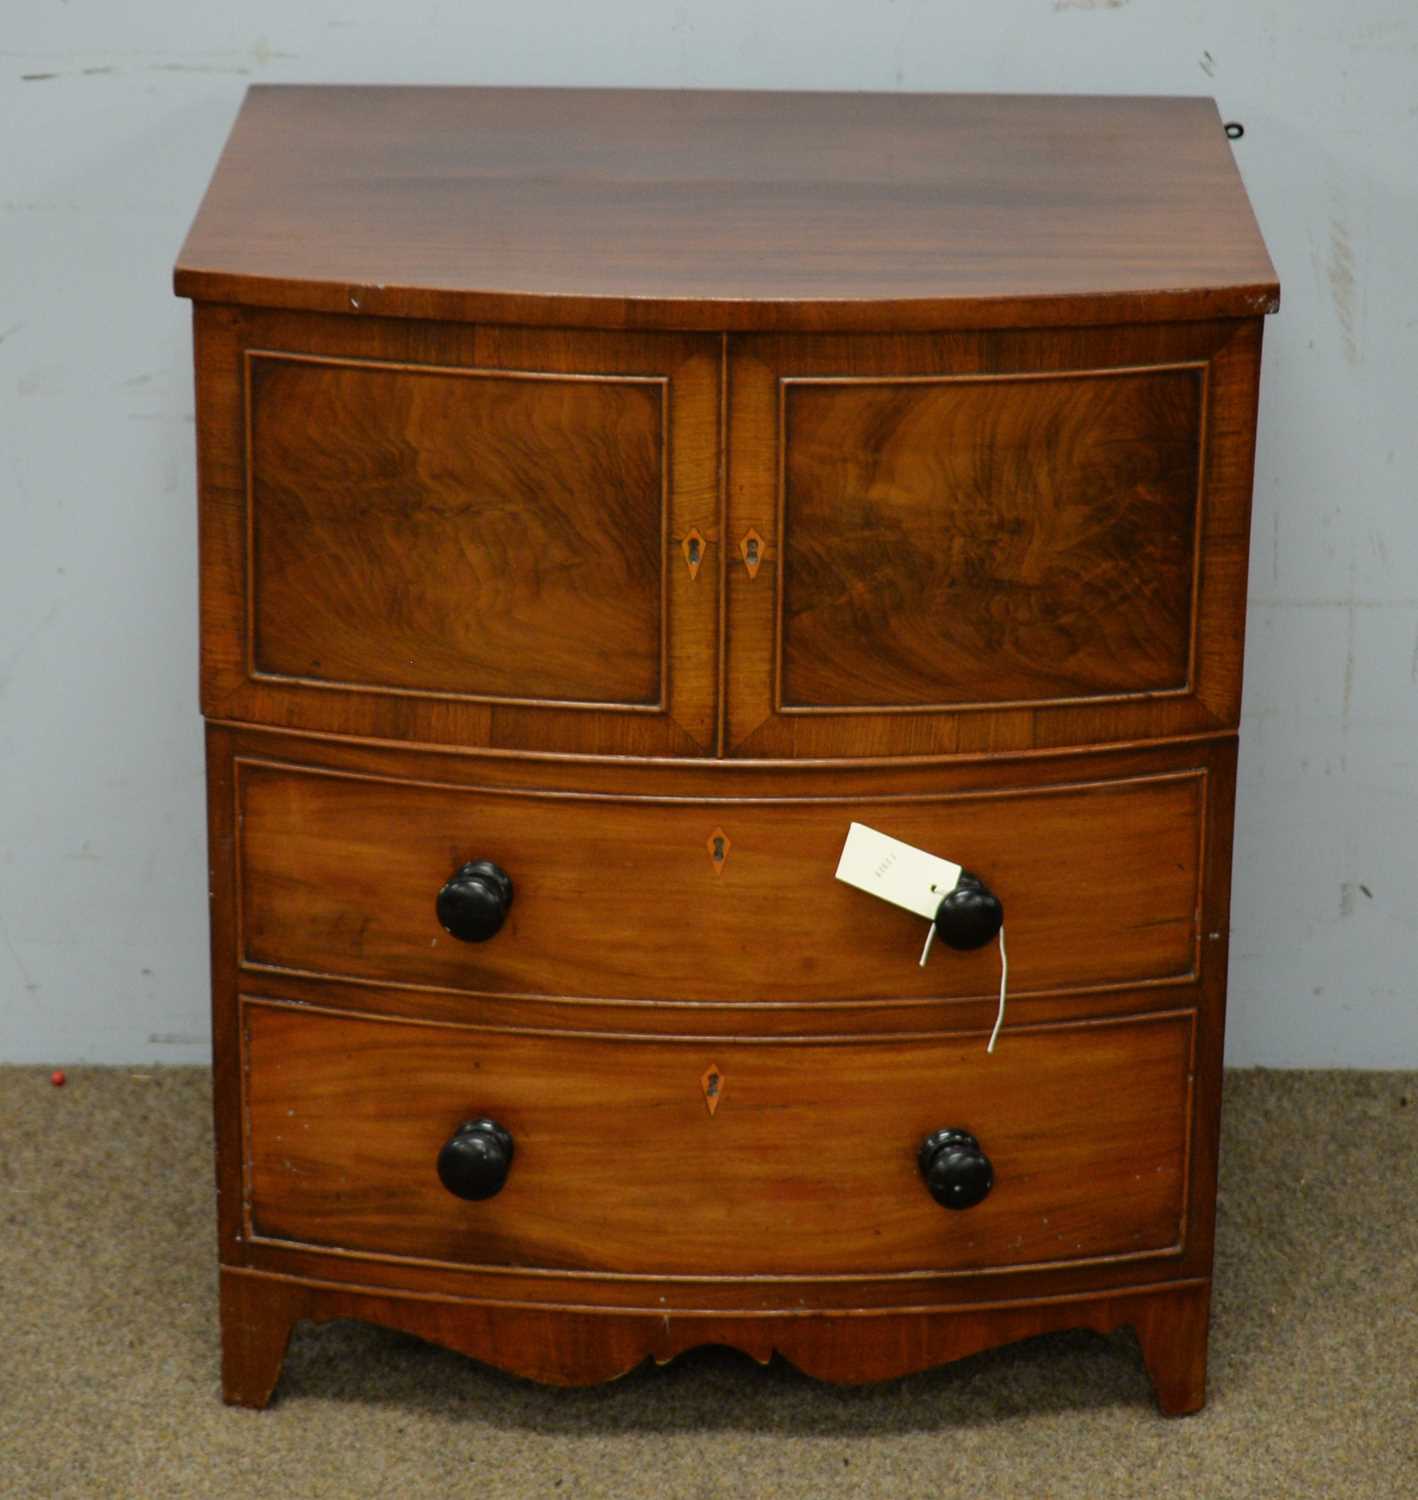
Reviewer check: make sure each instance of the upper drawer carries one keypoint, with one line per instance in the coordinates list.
(716, 900)
(988, 541)
(484, 537)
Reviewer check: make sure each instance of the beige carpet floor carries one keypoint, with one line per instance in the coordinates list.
(108, 1347)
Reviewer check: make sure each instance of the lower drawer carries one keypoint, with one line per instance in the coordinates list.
(807, 1163)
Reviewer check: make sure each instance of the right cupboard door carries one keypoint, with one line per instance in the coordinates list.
(989, 541)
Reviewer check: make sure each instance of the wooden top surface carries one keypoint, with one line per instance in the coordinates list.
(736, 211)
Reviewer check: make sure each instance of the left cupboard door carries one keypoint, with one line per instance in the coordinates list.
(455, 534)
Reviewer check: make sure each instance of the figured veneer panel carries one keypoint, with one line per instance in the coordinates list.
(982, 541)
(458, 534)
(807, 1167)
(414, 529)
(1100, 881)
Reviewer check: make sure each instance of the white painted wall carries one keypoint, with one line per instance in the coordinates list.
(111, 118)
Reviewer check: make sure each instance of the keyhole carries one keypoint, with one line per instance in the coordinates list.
(718, 845)
(711, 1085)
(693, 551)
(752, 553)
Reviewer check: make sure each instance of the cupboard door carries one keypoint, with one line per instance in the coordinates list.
(987, 542)
(475, 536)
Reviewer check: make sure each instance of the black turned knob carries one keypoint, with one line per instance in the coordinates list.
(957, 1172)
(970, 915)
(474, 903)
(475, 1162)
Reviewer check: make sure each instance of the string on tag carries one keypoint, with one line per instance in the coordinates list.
(1003, 984)
(1003, 978)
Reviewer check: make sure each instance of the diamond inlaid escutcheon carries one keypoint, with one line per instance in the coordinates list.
(718, 844)
(751, 550)
(713, 1085)
(693, 549)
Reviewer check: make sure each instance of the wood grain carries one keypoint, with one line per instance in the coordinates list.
(623, 208)
(988, 542)
(455, 532)
(965, 541)
(730, 1013)
(1100, 883)
(697, 698)
(1173, 1334)
(459, 535)
(572, 1347)
(809, 1166)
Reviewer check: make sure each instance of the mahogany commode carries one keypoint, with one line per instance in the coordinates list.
(608, 497)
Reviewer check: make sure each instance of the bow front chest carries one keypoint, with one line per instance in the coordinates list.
(607, 499)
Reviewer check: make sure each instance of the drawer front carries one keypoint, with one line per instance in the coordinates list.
(620, 897)
(477, 536)
(807, 1165)
(988, 543)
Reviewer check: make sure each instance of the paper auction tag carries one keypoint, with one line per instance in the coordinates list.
(899, 873)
